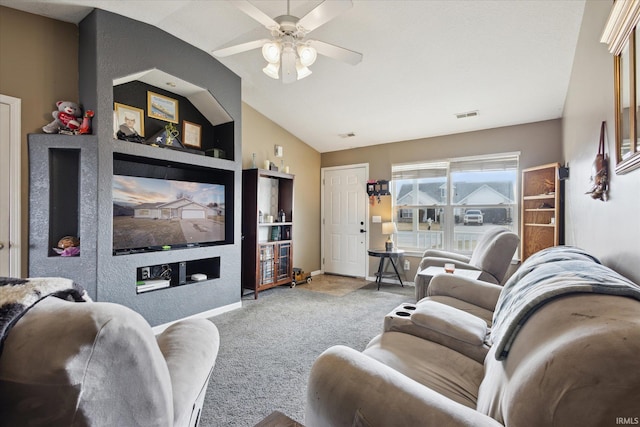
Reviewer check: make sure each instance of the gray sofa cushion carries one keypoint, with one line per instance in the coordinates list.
(450, 321)
(429, 364)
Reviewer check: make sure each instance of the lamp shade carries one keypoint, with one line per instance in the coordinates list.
(271, 70)
(389, 228)
(271, 52)
(307, 55)
(302, 70)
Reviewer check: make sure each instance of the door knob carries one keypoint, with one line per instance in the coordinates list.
(363, 230)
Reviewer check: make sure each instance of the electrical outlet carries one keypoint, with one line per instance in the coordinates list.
(407, 264)
(145, 273)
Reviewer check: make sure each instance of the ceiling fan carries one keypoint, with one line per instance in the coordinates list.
(288, 50)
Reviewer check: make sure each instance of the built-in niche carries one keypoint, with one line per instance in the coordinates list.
(202, 126)
(159, 205)
(64, 212)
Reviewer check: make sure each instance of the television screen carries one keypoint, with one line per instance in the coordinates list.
(155, 213)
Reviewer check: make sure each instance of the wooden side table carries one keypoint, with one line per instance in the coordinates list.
(391, 256)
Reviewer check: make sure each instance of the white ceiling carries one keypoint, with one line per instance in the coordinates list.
(424, 62)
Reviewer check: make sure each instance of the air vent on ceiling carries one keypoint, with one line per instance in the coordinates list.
(467, 114)
(347, 135)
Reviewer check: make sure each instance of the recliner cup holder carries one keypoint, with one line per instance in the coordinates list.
(403, 313)
(409, 307)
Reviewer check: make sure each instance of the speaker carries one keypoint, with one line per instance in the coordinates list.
(182, 273)
(563, 173)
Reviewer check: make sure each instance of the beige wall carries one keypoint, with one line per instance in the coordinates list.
(259, 135)
(39, 65)
(610, 230)
(538, 143)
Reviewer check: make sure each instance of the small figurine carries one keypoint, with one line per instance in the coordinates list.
(85, 127)
(66, 118)
(68, 246)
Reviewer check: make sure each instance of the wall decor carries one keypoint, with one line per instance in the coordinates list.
(191, 134)
(162, 108)
(620, 34)
(600, 173)
(128, 120)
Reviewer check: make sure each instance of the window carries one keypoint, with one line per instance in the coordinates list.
(449, 204)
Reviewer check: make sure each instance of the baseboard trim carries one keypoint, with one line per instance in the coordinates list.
(204, 315)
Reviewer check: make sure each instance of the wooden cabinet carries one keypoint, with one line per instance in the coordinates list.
(267, 255)
(542, 209)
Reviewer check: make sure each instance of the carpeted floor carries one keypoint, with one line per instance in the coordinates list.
(267, 348)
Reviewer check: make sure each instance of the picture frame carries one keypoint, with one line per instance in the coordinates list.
(191, 134)
(162, 107)
(123, 116)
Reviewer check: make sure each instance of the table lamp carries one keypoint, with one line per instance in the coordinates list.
(389, 228)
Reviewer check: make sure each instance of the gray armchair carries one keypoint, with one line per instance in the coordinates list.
(492, 256)
(99, 364)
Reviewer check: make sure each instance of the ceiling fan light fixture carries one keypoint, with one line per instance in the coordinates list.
(307, 55)
(271, 52)
(289, 74)
(271, 70)
(302, 70)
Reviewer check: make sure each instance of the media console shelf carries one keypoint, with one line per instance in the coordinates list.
(174, 274)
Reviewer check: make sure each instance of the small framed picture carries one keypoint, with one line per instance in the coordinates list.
(162, 108)
(191, 134)
(128, 120)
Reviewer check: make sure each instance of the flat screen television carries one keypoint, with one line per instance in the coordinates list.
(152, 213)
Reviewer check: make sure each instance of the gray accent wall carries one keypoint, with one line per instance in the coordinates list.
(113, 47)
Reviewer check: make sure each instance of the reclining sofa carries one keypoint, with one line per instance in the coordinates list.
(558, 346)
(68, 361)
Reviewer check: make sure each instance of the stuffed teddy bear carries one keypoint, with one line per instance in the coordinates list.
(67, 116)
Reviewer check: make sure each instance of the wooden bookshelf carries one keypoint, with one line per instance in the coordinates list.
(542, 209)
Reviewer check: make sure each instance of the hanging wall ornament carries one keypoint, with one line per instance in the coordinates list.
(600, 172)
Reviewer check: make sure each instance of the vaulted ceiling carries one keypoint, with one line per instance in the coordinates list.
(424, 62)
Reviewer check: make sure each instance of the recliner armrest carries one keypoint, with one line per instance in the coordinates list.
(440, 262)
(190, 348)
(435, 253)
(477, 292)
(346, 385)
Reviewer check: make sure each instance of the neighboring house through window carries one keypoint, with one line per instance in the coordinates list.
(448, 204)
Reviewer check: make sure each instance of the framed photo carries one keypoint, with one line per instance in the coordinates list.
(128, 119)
(191, 134)
(162, 108)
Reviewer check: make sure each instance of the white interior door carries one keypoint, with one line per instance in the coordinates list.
(10, 186)
(345, 213)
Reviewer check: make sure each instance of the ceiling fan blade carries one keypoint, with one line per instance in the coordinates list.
(336, 52)
(239, 48)
(323, 13)
(255, 13)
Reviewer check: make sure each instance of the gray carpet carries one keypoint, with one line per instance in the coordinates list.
(267, 347)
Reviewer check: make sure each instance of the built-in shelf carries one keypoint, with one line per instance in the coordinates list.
(177, 273)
